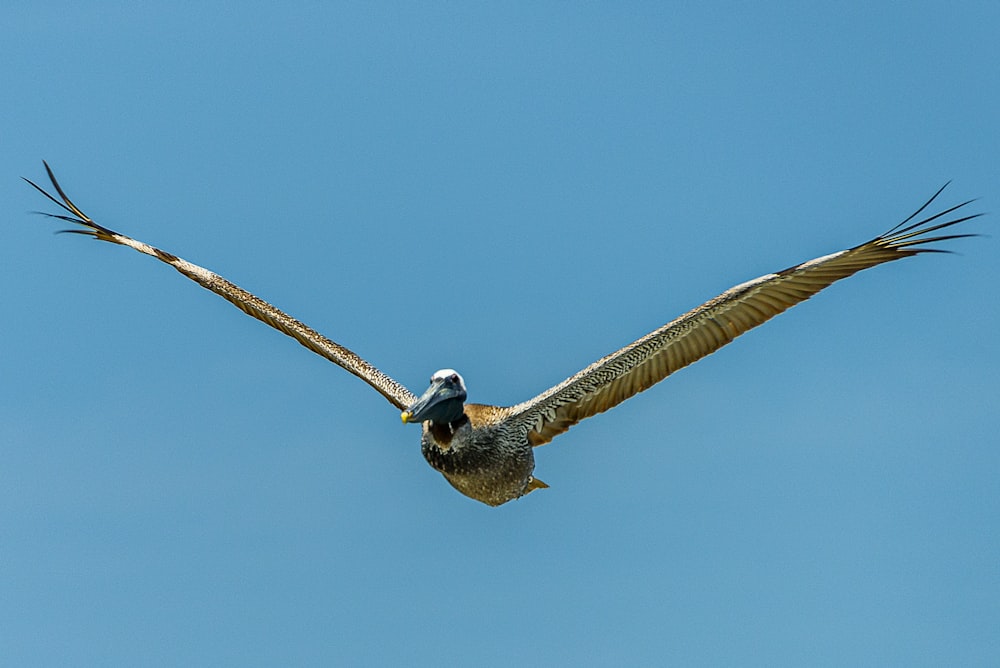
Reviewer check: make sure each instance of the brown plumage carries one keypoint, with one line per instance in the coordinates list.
(485, 452)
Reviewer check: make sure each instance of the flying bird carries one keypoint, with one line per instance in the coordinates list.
(486, 452)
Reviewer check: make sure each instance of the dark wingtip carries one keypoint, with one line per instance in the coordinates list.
(76, 216)
(910, 237)
(921, 209)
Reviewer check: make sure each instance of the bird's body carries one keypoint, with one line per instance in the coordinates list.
(486, 452)
(480, 455)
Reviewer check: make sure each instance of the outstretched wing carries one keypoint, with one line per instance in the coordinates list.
(397, 395)
(702, 331)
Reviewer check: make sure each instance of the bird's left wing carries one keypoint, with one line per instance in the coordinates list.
(700, 332)
(398, 396)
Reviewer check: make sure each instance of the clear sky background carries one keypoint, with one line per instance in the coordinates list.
(512, 190)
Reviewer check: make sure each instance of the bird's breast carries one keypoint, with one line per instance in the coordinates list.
(483, 463)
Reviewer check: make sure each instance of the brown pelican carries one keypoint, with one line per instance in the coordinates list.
(485, 452)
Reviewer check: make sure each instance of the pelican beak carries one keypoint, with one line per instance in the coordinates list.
(442, 402)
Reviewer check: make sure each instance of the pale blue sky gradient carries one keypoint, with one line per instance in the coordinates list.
(512, 190)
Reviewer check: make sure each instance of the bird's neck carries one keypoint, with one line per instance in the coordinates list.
(443, 432)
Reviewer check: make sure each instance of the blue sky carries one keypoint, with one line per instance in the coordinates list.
(512, 190)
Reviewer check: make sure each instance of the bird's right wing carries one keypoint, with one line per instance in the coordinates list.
(398, 396)
(701, 331)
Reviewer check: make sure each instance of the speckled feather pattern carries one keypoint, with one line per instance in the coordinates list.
(485, 457)
(398, 396)
(703, 330)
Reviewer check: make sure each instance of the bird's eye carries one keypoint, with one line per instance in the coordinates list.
(454, 378)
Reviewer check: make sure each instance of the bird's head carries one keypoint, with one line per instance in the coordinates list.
(443, 402)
